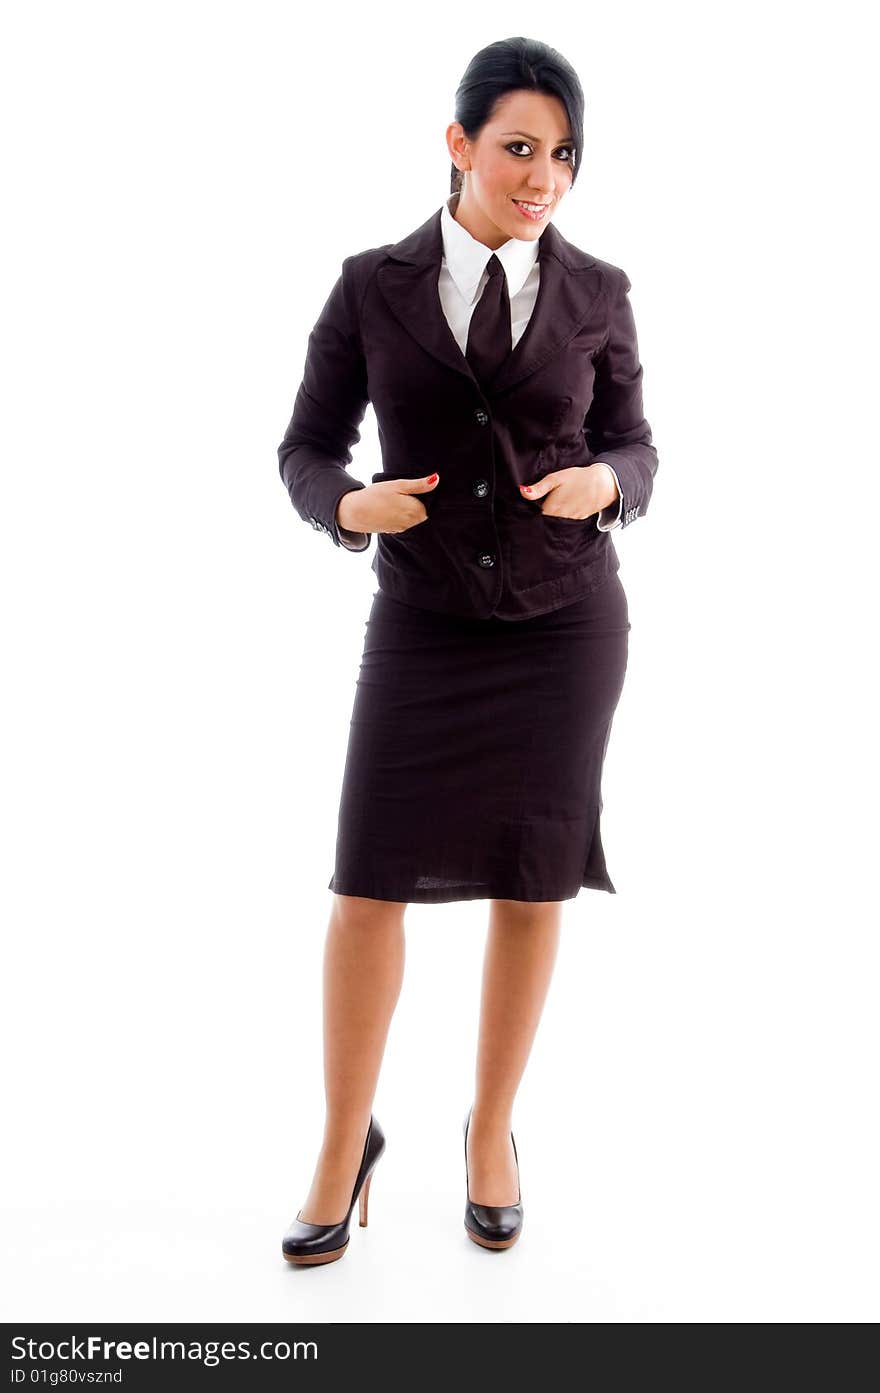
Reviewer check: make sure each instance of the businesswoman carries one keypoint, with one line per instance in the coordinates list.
(502, 360)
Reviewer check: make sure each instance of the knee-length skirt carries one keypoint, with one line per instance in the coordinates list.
(475, 753)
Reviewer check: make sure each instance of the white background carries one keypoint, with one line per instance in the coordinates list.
(697, 1128)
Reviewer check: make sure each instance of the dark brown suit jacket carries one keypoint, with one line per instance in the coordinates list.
(569, 393)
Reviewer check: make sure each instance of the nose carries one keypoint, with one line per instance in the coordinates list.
(542, 176)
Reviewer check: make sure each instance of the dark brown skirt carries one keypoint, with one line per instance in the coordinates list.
(475, 753)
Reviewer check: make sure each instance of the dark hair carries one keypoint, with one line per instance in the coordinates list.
(513, 65)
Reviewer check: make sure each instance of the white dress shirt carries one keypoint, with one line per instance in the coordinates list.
(463, 275)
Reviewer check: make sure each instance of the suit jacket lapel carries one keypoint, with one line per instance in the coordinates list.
(566, 297)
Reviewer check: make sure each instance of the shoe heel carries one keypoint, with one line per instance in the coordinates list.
(365, 1200)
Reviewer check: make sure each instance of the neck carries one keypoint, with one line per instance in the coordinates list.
(474, 221)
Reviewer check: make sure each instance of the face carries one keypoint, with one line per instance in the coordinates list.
(522, 155)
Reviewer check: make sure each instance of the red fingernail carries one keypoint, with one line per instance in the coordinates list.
(432, 477)
(526, 488)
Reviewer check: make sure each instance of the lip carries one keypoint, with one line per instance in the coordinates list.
(532, 217)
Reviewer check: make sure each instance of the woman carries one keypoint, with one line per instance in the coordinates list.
(496, 645)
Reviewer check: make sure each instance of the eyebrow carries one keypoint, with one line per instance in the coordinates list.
(566, 139)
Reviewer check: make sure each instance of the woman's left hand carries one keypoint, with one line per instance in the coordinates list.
(578, 492)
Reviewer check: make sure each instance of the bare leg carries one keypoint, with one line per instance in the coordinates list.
(363, 972)
(520, 955)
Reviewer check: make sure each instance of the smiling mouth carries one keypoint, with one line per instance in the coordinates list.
(534, 212)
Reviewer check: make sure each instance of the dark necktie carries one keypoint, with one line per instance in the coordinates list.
(489, 335)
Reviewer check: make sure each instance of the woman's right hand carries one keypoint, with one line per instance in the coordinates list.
(392, 505)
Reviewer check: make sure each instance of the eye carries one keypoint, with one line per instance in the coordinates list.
(568, 149)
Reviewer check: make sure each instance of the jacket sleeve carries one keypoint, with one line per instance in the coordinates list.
(612, 516)
(329, 408)
(615, 427)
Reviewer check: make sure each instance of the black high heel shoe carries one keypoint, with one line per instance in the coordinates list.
(491, 1225)
(317, 1243)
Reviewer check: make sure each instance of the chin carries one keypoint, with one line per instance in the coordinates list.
(527, 231)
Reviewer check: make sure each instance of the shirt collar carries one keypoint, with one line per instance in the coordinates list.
(466, 258)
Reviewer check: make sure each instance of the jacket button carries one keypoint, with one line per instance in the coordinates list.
(487, 559)
(481, 418)
(481, 488)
